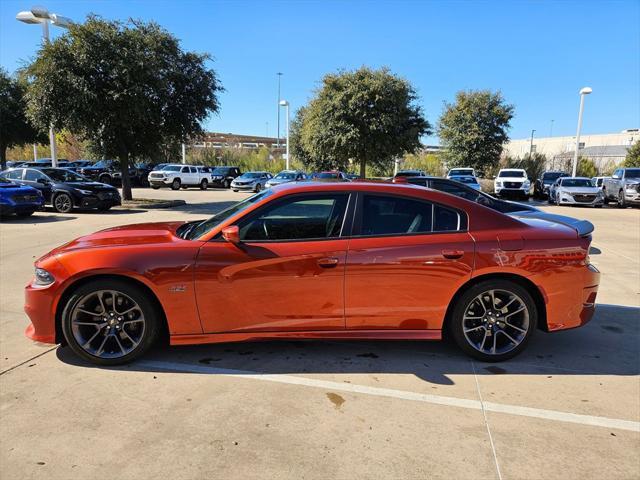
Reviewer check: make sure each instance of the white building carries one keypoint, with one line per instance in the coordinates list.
(605, 149)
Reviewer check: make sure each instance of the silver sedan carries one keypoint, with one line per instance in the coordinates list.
(575, 191)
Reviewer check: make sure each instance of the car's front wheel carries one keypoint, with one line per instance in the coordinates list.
(621, 201)
(204, 184)
(110, 322)
(63, 203)
(494, 320)
(175, 185)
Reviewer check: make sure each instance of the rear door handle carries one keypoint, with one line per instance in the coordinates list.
(328, 262)
(452, 253)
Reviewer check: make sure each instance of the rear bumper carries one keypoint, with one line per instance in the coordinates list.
(10, 209)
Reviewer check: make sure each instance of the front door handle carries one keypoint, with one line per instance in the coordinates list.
(452, 253)
(328, 262)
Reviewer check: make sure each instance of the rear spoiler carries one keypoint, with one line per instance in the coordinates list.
(583, 228)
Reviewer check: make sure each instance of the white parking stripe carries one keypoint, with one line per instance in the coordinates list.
(400, 394)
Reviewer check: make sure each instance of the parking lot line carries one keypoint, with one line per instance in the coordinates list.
(552, 415)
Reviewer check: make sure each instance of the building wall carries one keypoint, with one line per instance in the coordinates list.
(552, 146)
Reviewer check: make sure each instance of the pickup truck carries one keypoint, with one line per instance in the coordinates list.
(180, 176)
(623, 187)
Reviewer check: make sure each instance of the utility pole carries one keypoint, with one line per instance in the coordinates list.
(531, 145)
(279, 77)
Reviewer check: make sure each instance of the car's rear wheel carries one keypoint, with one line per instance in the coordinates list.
(204, 184)
(227, 184)
(175, 185)
(258, 187)
(63, 203)
(494, 320)
(110, 322)
(621, 201)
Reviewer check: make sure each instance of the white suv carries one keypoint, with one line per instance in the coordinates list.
(180, 176)
(512, 181)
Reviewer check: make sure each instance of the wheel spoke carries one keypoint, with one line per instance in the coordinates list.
(87, 312)
(492, 293)
(493, 348)
(137, 320)
(474, 329)
(521, 330)
(99, 352)
(133, 342)
(509, 303)
(88, 342)
(119, 344)
(484, 339)
(93, 324)
(104, 308)
(511, 339)
(522, 308)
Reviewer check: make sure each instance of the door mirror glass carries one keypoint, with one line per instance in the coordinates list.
(231, 234)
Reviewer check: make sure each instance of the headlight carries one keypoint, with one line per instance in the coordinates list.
(85, 192)
(43, 277)
(630, 188)
(498, 183)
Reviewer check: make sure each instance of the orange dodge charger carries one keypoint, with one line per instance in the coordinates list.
(318, 261)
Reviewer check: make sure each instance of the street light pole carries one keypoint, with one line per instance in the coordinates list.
(43, 17)
(285, 104)
(278, 141)
(583, 92)
(531, 145)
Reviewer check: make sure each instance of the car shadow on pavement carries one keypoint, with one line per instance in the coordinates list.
(35, 218)
(608, 345)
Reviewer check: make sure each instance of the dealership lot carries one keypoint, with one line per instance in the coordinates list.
(568, 407)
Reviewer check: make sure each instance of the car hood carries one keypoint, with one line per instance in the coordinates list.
(91, 186)
(128, 235)
(632, 181)
(587, 190)
(582, 227)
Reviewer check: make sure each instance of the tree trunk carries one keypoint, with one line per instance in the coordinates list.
(124, 170)
(363, 168)
(3, 156)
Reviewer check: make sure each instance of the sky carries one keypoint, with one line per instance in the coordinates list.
(537, 53)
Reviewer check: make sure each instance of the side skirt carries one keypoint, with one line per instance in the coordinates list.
(307, 335)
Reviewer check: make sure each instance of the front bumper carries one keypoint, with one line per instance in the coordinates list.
(159, 182)
(632, 196)
(93, 201)
(513, 191)
(566, 199)
(244, 188)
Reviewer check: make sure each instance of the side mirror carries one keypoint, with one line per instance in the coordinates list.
(231, 234)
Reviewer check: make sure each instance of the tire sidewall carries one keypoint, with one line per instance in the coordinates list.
(55, 199)
(152, 321)
(175, 184)
(455, 321)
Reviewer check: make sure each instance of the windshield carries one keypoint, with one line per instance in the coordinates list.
(409, 173)
(576, 182)
(251, 175)
(285, 176)
(207, 225)
(553, 176)
(632, 173)
(62, 175)
(461, 171)
(221, 171)
(327, 175)
(106, 164)
(512, 173)
(471, 180)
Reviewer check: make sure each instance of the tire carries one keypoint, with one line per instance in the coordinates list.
(204, 184)
(155, 187)
(621, 201)
(105, 179)
(106, 343)
(236, 191)
(606, 198)
(175, 185)
(504, 291)
(62, 203)
(227, 183)
(258, 188)
(25, 214)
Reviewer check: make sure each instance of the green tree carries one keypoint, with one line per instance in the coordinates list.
(15, 127)
(586, 168)
(633, 156)
(127, 87)
(534, 164)
(365, 116)
(474, 128)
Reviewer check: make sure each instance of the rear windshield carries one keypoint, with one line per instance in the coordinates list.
(471, 180)
(512, 173)
(327, 175)
(460, 171)
(553, 175)
(632, 173)
(409, 173)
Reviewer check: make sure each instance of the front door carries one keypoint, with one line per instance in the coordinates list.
(287, 274)
(406, 259)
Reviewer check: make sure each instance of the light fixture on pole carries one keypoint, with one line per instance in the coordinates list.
(284, 103)
(42, 16)
(531, 145)
(583, 92)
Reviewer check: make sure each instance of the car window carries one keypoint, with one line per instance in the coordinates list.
(445, 219)
(33, 175)
(453, 189)
(297, 218)
(14, 174)
(382, 215)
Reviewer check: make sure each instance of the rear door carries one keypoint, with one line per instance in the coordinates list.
(407, 257)
(36, 179)
(287, 274)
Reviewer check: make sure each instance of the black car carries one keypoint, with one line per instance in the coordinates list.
(143, 169)
(461, 190)
(64, 189)
(223, 176)
(107, 171)
(541, 187)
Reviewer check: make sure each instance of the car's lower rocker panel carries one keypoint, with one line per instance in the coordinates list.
(308, 335)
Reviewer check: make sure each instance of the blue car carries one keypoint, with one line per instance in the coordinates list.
(18, 199)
